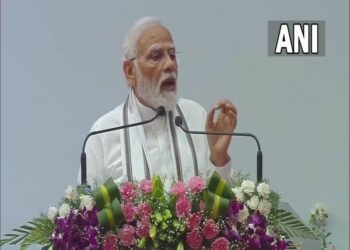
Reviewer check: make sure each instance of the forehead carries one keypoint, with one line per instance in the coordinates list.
(154, 37)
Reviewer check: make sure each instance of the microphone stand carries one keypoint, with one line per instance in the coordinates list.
(160, 112)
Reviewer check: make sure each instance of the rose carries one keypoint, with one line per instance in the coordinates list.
(64, 210)
(248, 187)
(86, 201)
(264, 190)
(51, 213)
(264, 207)
(253, 202)
(238, 193)
(71, 193)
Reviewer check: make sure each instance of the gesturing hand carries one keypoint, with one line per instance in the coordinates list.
(225, 123)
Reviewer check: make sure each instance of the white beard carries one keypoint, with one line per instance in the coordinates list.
(150, 93)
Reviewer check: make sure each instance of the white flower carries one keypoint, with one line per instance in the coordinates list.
(243, 214)
(71, 193)
(264, 190)
(238, 193)
(86, 201)
(320, 213)
(51, 213)
(253, 202)
(64, 210)
(264, 207)
(248, 187)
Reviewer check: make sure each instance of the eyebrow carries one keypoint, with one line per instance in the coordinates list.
(158, 46)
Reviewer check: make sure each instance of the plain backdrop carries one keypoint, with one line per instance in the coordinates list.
(61, 70)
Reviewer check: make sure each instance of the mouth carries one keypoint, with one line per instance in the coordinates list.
(169, 84)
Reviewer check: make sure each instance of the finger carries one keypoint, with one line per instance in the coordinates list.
(210, 119)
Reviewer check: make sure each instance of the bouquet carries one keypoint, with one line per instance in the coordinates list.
(142, 215)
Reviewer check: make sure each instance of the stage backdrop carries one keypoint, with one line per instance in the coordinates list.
(61, 70)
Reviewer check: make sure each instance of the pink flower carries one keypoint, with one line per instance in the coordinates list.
(179, 188)
(210, 229)
(143, 228)
(129, 211)
(128, 191)
(110, 242)
(194, 221)
(182, 207)
(196, 184)
(220, 244)
(146, 186)
(126, 235)
(194, 239)
(144, 210)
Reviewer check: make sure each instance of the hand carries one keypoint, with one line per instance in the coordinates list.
(225, 123)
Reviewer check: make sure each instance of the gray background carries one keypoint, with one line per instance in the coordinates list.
(61, 70)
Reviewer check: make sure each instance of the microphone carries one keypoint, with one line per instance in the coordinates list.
(160, 112)
(259, 157)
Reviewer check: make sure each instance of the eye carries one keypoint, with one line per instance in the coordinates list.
(172, 54)
(156, 55)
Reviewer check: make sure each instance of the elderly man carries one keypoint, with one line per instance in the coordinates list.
(157, 148)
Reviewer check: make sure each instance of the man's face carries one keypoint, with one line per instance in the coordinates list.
(156, 68)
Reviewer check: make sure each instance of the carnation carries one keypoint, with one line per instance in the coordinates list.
(143, 228)
(146, 186)
(194, 221)
(196, 184)
(64, 210)
(126, 235)
(129, 211)
(110, 242)
(194, 239)
(210, 229)
(263, 190)
(144, 210)
(179, 188)
(71, 193)
(248, 187)
(128, 191)
(52, 213)
(253, 202)
(220, 244)
(182, 207)
(87, 201)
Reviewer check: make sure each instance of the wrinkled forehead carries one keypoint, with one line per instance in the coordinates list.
(156, 37)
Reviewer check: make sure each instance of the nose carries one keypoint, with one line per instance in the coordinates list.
(170, 64)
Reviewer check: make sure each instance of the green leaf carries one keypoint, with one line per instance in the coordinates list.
(294, 227)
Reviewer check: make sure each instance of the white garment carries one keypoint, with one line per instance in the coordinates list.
(106, 152)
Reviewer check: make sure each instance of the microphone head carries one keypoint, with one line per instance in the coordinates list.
(178, 121)
(161, 110)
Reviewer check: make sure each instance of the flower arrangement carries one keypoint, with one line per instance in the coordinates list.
(142, 215)
(318, 221)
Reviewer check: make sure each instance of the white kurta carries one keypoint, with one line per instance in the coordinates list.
(106, 152)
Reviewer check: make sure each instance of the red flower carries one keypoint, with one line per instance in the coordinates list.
(146, 186)
(128, 191)
(183, 207)
(194, 221)
(126, 235)
(210, 229)
(129, 211)
(144, 210)
(194, 239)
(196, 184)
(220, 244)
(110, 242)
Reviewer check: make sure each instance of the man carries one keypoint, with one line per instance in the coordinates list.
(157, 148)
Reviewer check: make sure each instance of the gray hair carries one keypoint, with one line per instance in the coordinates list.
(131, 38)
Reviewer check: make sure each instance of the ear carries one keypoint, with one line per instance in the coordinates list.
(130, 73)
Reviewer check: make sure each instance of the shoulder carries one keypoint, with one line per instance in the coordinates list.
(112, 118)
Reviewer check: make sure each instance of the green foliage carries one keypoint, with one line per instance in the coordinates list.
(294, 227)
(36, 231)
